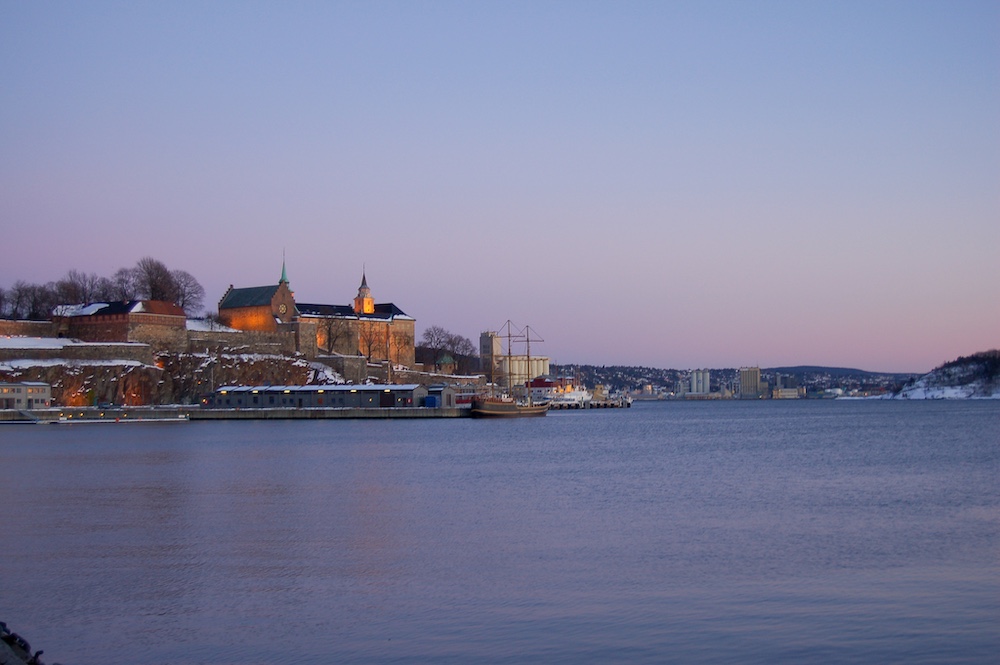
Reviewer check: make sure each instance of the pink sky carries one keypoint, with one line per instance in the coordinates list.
(677, 185)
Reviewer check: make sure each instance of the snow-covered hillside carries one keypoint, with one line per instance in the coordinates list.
(972, 377)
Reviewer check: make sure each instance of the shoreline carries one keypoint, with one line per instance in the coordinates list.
(183, 414)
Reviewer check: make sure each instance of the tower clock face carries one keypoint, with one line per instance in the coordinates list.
(282, 308)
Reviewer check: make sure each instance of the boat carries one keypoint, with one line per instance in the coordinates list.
(579, 398)
(505, 405)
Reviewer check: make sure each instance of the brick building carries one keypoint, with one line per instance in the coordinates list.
(160, 324)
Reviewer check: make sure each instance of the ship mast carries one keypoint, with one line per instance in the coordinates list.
(527, 361)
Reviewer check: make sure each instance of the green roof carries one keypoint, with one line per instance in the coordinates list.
(253, 296)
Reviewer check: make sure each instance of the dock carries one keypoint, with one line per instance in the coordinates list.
(183, 414)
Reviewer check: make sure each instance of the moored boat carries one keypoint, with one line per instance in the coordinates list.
(507, 406)
(504, 405)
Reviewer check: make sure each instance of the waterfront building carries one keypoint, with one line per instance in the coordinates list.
(701, 381)
(317, 396)
(750, 385)
(25, 395)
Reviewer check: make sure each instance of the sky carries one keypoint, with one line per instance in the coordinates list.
(668, 184)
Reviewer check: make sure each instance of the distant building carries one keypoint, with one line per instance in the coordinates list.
(490, 347)
(701, 381)
(517, 369)
(750, 386)
(26, 395)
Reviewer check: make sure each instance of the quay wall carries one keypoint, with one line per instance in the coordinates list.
(88, 415)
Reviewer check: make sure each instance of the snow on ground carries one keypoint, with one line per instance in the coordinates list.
(318, 372)
(33, 342)
(7, 342)
(201, 325)
(13, 365)
(923, 389)
(324, 374)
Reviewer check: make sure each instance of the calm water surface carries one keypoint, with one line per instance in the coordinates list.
(858, 532)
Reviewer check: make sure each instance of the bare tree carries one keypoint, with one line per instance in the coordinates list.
(464, 352)
(460, 346)
(398, 342)
(77, 287)
(41, 300)
(436, 338)
(104, 290)
(331, 332)
(18, 297)
(440, 341)
(370, 337)
(124, 285)
(154, 281)
(190, 294)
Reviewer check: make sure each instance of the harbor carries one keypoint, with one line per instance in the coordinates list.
(184, 414)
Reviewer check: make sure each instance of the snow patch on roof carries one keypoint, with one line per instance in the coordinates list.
(79, 310)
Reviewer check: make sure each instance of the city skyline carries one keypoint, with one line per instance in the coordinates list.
(674, 185)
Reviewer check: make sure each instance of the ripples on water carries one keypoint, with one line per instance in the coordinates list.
(670, 532)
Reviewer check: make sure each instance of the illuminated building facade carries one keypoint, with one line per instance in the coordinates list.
(258, 308)
(377, 331)
(25, 395)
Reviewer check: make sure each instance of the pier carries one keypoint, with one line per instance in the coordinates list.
(183, 414)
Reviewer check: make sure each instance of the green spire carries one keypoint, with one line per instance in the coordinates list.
(284, 275)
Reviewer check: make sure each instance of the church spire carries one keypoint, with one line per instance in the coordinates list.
(363, 303)
(284, 275)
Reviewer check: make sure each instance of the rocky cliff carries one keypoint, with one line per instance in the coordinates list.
(174, 378)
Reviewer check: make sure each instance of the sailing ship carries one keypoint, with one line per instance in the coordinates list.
(507, 405)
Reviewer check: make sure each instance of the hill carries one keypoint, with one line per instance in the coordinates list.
(967, 377)
(835, 372)
(814, 378)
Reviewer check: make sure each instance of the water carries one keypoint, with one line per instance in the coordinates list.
(670, 532)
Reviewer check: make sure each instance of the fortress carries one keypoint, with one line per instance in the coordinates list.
(146, 351)
(378, 332)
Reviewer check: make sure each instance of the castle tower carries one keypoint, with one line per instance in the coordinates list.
(364, 303)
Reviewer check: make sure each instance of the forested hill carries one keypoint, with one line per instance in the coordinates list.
(975, 376)
(623, 377)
